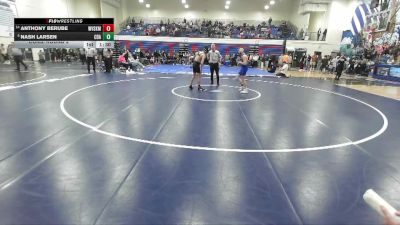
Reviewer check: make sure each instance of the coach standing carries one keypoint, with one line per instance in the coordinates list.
(18, 57)
(214, 58)
(107, 57)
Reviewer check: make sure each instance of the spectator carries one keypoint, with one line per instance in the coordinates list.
(324, 34)
(290, 61)
(319, 63)
(214, 29)
(41, 57)
(324, 64)
(318, 34)
(122, 62)
(308, 62)
(254, 60)
(135, 64)
(90, 59)
(285, 58)
(283, 71)
(340, 67)
(334, 64)
(303, 61)
(81, 56)
(301, 34)
(3, 53)
(314, 60)
(18, 57)
(272, 66)
(107, 56)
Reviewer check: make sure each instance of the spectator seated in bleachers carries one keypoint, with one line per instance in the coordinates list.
(123, 63)
(136, 65)
(209, 29)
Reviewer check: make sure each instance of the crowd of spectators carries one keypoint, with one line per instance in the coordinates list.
(264, 61)
(211, 29)
(335, 64)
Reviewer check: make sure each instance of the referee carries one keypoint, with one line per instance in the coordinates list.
(214, 58)
(91, 54)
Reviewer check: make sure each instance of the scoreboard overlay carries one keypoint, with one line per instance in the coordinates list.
(64, 32)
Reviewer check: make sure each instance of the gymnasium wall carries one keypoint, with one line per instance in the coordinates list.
(6, 40)
(225, 46)
(339, 18)
(213, 12)
(312, 46)
(58, 8)
(8, 12)
(42, 8)
(317, 20)
(111, 9)
(86, 8)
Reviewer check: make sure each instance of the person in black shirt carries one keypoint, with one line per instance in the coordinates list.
(324, 65)
(318, 34)
(324, 34)
(340, 67)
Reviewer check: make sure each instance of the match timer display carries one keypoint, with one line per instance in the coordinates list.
(67, 32)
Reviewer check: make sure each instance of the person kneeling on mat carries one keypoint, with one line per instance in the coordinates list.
(283, 71)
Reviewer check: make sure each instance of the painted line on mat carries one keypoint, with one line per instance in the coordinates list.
(25, 81)
(258, 95)
(204, 148)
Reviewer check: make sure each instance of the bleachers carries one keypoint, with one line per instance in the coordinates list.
(216, 29)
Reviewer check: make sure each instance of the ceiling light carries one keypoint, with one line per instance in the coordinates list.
(228, 2)
(266, 7)
(147, 5)
(141, 1)
(183, 1)
(272, 2)
(227, 7)
(186, 6)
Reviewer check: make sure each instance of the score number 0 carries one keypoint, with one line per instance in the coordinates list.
(108, 32)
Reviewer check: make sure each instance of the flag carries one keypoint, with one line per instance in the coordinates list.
(359, 19)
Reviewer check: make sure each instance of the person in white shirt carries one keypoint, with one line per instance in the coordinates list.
(334, 63)
(214, 59)
(283, 71)
(90, 58)
(135, 63)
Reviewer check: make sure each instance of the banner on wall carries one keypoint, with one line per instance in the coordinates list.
(8, 11)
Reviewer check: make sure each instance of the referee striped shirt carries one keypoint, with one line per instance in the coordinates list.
(214, 56)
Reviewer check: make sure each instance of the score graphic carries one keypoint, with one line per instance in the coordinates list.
(64, 33)
(108, 32)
